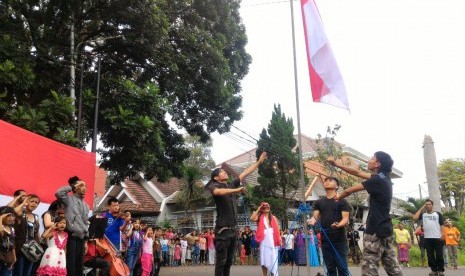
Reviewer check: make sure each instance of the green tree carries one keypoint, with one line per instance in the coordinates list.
(279, 174)
(328, 146)
(192, 194)
(452, 183)
(189, 53)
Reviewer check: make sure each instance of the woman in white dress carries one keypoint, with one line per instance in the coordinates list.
(268, 236)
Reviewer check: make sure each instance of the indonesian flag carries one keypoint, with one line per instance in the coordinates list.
(325, 79)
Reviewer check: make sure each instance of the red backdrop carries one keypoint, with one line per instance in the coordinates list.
(39, 165)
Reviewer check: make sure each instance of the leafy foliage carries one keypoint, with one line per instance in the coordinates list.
(161, 61)
(327, 146)
(279, 174)
(452, 182)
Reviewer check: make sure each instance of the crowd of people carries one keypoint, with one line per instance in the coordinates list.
(74, 244)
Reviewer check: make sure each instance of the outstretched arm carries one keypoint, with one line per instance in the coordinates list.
(227, 191)
(348, 169)
(347, 192)
(252, 167)
(310, 188)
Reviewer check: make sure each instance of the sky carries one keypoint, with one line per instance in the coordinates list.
(403, 64)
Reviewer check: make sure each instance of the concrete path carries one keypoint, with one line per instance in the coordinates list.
(290, 271)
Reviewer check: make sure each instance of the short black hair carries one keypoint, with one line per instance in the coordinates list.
(111, 200)
(386, 162)
(72, 181)
(333, 178)
(6, 210)
(429, 200)
(215, 173)
(18, 192)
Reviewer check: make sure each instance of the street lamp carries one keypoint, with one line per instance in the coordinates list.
(72, 75)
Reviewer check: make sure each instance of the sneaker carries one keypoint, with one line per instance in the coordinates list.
(433, 273)
(408, 265)
(455, 267)
(441, 273)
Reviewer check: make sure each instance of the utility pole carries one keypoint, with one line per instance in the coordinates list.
(94, 134)
(72, 72)
(419, 189)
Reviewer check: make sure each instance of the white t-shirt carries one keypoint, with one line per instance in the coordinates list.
(432, 225)
(289, 239)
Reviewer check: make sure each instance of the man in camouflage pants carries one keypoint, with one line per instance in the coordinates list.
(378, 241)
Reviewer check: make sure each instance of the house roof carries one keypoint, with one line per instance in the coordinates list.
(168, 188)
(133, 198)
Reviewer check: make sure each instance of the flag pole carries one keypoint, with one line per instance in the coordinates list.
(299, 138)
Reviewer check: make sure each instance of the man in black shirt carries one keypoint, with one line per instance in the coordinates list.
(378, 241)
(333, 216)
(226, 219)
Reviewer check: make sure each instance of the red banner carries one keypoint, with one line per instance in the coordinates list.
(39, 165)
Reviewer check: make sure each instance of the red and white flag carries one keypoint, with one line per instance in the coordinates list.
(326, 80)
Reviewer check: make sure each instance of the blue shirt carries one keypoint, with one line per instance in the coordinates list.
(112, 231)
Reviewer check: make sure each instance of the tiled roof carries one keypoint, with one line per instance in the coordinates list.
(169, 187)
(144, 202)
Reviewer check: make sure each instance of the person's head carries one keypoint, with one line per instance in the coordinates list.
(57, 207)
(429, 205)
(448, 222)
(149, 230)
(78, 186)
(60, 222)
(10, 219)
(381, 162)
(219, 175)
(331, 183)
(113, 205)
(242, 246)
(265, 207)
(33, 202)
(21, 194)
(401, 226)
(157, 232)
(136, 224)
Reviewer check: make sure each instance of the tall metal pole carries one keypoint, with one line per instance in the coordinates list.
(79, 118)
(94, 136)
(72, 68)
(299, 136)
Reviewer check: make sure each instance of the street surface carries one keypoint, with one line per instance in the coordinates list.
(290, 271)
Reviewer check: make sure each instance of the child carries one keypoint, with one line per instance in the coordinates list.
(243, 254)
(134, 245)
(54, 259)
(171, 245)
(157, 253)
(183, 244)
(177, 253)
(7, 239)
(196, 252)
(147, 252)
(188, 255)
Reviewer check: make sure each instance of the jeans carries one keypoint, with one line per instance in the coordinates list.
(435, 254)
(23, 267)
(225, 246)
(131, 258)
(336, 262)
(5, 270)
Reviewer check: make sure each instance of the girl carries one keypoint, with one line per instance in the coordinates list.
(171, 245)
(268, 237)
(26, 229)
(177, 253)
(134, 246)
(242, 256)
(54, 259)
(7, 240)
(147, 252)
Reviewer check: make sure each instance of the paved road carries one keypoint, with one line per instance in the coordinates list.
(290, 271)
